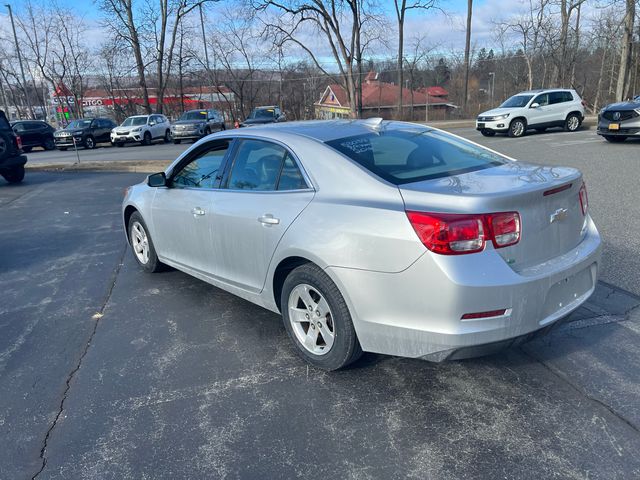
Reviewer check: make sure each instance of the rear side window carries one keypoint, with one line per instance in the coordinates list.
(560, 97)
(256, 166)
(404, 156)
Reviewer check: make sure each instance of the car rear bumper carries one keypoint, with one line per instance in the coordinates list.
(12, 162)
(418, 312)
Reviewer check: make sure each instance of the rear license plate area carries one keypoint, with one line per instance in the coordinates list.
(566, 292)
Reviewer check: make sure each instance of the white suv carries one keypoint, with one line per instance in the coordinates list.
(535, 109)
(142, 129)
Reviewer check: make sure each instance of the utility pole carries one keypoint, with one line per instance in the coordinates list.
(204, 38)
(492, 76)
(467, 47)
(24, 80)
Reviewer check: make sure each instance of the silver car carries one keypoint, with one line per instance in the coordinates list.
(373, 236)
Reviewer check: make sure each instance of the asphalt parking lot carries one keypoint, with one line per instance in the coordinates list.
(106, 372)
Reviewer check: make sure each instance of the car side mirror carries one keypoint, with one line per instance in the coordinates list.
(535, 105)
(151, 124)
(157, 180)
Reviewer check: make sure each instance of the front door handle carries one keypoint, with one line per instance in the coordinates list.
(197, 211)
(268, 219)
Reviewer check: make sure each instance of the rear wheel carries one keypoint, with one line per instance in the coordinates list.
(142, 245)
(517, 127)
(317, 319)
(89, 143)
(15, 175)
(146, 139)
(572, 123)
(487, 133)
(614, 139)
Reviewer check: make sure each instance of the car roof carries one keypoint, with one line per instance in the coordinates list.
(326, 130)
(542, 90)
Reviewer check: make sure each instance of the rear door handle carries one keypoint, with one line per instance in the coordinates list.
(268, 219)
(197, 211)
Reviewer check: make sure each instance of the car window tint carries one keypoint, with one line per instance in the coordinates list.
(542, 99)
(202, 171)
(403, 156)
(291, 178)
(555, 97)
(567, 97)
(18, 127)
(257, 166)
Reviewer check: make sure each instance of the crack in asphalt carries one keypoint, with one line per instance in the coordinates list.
(97, 318)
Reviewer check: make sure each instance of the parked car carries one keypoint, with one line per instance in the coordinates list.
(85, 132)
(386, 237)
(534, 110)
(34, 133)
(618, 121)
(195, 124)
(142, 129)
(262, 115)
(12, 161)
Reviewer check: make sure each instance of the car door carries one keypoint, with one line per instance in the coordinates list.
(181, 211)
(541, 114)
(263, 192)
(557, 106)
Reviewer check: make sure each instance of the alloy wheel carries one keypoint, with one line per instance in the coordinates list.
(573, 123)
(311, 319)
(140, 242)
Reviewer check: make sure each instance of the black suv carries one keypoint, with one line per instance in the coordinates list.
(11, 159)
(86, 132)
(34, 133)
(262, 115)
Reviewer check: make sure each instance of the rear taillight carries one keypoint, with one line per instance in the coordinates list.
(19, 142)
(584, 199)
(455, 234)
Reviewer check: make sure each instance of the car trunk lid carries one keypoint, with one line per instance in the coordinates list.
(547, 199)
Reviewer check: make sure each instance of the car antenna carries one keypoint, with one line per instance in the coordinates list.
(374, 122)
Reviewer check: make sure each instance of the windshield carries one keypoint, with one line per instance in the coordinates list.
(134, 121)
(79, 124)
(193, 115)
(517, 101)
(263, 113)
(404, 156)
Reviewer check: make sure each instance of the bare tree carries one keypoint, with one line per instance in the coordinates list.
(626, 52)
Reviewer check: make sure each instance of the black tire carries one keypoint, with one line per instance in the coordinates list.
(89, 143)
(541, 130)
(146, 139)
(62, 149)
(614, 138)
(153, 264)
(167, 136)
(49, 144)
(572, 122)
(517, 127)
(15, 175)
(346, 348)
(487, 133)
(26, 149)
(177, 142)
(223, 127)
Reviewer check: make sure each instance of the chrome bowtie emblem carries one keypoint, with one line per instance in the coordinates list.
(559, 214)
(616, 116)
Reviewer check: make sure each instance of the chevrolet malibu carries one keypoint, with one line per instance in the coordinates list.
(374, 236)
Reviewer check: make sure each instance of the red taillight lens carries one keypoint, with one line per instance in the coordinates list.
(491, 313)
(454, 234)
(19, 143)
(505, 228)
(584, 199)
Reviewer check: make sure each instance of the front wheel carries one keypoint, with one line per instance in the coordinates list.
(89, 143)
(572, 123)
(517, 128)
(614, 139)
(167, 136)
(146, 139)
(487, 133)
(15, 175)
(317, 319)
(142, 245)
(49, 144)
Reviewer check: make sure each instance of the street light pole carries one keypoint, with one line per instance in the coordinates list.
(24, 80)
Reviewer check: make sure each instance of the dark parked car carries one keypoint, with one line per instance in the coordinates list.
(87, 132)
(195, 124)
(262, 115)
(11, 159)
(34, 133)
(618, 121)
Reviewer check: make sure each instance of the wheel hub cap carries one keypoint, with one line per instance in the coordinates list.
(316, 335)
(140, 242)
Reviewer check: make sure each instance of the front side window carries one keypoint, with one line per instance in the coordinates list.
(204, 170)
(542, 99)
(404, 156)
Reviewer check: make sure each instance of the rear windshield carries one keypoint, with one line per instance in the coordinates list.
(404, 156)
(517, 101)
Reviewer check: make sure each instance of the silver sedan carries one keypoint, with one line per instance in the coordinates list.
(374, 236)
